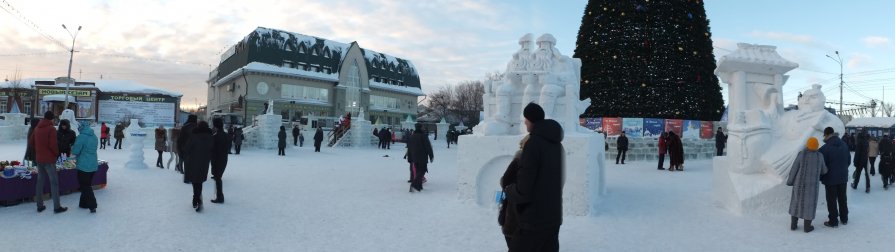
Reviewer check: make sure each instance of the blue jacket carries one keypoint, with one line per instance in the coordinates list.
(85, 149)
(837, 158)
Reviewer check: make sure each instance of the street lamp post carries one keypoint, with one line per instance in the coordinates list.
(70, 58)
(841, 81)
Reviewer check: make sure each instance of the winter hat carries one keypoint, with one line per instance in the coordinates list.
(813, 144)
(49, 115)
(828, 131)
(192, 118)
(533, 112)
(218, 123)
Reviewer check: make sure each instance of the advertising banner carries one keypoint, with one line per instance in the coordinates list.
(674, 125)
(633, 127)
(708, 130)
(653, 127)
(150, 109)
(692, 128)
(612, 126)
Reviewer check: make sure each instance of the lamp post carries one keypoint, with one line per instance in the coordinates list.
(70, 58)
(841, 81)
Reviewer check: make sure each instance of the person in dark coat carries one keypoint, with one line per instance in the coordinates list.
(387, 138)
(507, 219)
(231, 134)
(301, 139)
(804, 177)
(537, 193)
(103, 136)
(887, 156)
(676, 149)
(219, 158)
(837, 159)
(419, 153)
(281, 145)
(318, 139)
(622, 145)
(119, 134)
(65, 136)
(861, 160)
(185, 133)
(720, 142)
(46, 151)
(161, 144)
(663, 148)
(295, 135)
(29, 148)
(198, 150)
(376, 133)
(238, 137)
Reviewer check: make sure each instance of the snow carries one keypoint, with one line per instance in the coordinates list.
(306, 39)
(873, 122)
(395, 88)
(110, 86)
(272, 69)
(58, 97)
(304, 202)
(370, 55)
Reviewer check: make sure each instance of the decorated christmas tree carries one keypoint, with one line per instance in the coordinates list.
(648, 58)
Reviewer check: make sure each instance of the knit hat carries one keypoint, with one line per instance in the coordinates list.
(49, 115)
(813, 144)
(533, 112)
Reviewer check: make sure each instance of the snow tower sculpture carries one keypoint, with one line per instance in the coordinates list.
(763, 140)
(546, 77)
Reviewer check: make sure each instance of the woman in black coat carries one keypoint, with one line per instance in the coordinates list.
(507, 215)
(676, 151)
(198, 152)
(30, 155)
(318, 139)
(282, 143)
(65, 137)
(219, 158)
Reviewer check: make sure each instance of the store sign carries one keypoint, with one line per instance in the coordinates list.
(138, 98)
(62, 92)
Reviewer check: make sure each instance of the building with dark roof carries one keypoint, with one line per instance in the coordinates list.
(311, 80)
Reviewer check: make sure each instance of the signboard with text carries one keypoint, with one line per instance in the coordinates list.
(150, 109)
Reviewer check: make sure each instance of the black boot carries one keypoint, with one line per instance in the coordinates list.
(808, 226)
(195, 202)
(794, 224)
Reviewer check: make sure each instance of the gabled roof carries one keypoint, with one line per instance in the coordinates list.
(872, 122)
(118, 86)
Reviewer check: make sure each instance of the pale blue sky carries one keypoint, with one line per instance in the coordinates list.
(172, 45)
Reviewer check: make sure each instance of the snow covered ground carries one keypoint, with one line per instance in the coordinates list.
(357, 200)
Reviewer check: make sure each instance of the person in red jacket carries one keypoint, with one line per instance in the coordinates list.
(103, 136)
(46, 151)
(662, 149)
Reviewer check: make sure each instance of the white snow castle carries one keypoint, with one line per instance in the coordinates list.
(546, 77)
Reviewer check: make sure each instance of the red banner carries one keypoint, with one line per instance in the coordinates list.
(612, 126)
(675, 125)
(707, 130)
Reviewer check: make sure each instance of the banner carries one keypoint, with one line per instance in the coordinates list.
(62, 91)
(692, 128)
(597, 123)
(707, 130)
(150, 113)
(653, 127)
(674, 125)
(85, 109)
(633, 127)
(612, 126)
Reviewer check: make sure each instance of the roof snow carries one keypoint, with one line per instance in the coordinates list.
(122, 86)
(872, 122)
(301, 38)
(272, 69)
(394, 88)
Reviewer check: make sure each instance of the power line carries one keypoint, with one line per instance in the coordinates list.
(18, 15)
(30, 54)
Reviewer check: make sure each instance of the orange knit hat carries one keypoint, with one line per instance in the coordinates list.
(813, 144)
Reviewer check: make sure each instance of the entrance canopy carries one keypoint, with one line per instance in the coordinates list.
(57, 98)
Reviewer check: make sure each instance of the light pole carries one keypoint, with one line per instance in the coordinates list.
(841, 81)
(70, 58)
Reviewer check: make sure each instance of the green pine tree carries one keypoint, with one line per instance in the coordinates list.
(648, 58)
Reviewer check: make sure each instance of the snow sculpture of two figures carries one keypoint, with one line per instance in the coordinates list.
(69, 115)
(543, 76)
(552, 80)
(763, 140)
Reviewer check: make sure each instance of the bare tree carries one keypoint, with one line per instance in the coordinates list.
(468, 101)
(15, 86)
(441, 102)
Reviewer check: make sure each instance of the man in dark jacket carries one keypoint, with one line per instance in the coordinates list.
(65, 137)
(198, 150)
(237, 140)
(537, 193)
(46, 150)
(185, 133)
(119, 134)
(295, 135)
(886, 150)
(387, 138)
(861, 161)
(836, 158)
(231, 134)
(376, 133)
(318, 139)
(219, 158)
(419, 154)
(622, 145)
(720, 141)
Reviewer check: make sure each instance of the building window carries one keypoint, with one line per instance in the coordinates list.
(352, 95)
(27, 107)
(328, 70)
(3, 108)
(288, 63)
(296, 92)
(313, 52)
(303, 66)
(382, 102)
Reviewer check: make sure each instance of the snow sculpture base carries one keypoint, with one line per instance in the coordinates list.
(12, 127)
(268, 129)
(361, 132)
(485, 158)
(754, 194)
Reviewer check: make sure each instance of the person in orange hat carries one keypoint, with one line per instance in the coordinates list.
(804, 177)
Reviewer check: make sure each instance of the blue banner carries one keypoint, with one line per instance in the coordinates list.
(692, 128)
(653, 127)
(633, 127)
